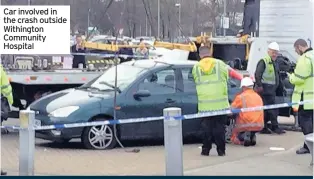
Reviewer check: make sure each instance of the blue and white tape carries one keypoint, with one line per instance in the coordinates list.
(150, 119)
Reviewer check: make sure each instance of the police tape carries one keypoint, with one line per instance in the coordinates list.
(150, 119)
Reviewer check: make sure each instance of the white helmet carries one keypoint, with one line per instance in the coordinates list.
(247, 82)
(274, 46)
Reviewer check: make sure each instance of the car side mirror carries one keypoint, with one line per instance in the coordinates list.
(142, 94)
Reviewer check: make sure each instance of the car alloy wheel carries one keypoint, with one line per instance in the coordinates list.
(100, 137)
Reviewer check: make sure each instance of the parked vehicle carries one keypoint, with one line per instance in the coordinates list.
(144, 88)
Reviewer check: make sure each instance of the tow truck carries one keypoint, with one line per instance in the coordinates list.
(34, 80)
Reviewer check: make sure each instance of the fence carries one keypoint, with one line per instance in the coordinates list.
(172, 133)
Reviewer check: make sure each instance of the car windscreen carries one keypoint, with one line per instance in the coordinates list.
(126, 74)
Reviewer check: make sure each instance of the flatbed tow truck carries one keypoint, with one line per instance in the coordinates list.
(30, 85)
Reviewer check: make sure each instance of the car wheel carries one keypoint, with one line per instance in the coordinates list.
(99, 137)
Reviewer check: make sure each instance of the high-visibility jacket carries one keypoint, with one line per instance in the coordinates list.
(211, 77)
(248, 121)
(303, 78)
(269, 76)
(6, 89)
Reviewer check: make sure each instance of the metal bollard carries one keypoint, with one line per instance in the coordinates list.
(296, 121)
(173, 142)
(309, 143)
(27, 143)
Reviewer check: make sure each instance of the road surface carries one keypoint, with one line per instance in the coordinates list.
(72, 159)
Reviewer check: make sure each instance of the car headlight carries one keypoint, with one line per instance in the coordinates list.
(64, 112)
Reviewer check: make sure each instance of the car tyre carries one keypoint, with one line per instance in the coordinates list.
(99, 137)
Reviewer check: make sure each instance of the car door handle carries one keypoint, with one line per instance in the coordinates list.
(170, 101)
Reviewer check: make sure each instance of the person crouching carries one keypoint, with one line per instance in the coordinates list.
(247, 123)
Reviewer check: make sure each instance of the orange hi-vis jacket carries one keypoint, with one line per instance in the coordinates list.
(248, 121)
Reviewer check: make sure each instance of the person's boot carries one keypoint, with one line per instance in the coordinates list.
(221, 153)
(253, 140)
(205, 152)
(278, 131)
(265, 131)
(247, 139)
(302, 151)
(3, 173)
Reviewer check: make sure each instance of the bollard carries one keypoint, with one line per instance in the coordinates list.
(173, 142)
(296, 121)
(27, 143)
(309, 143)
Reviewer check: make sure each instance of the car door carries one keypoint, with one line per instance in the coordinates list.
(161, 85)
(189, 101)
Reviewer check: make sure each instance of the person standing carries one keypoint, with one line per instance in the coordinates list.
(126, 51)
(6, 91)
(211, 73)
(78, 48)
(142, 50)
(268, 83)
(247, 123)
(303, 79)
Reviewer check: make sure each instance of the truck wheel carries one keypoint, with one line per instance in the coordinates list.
(99, 137)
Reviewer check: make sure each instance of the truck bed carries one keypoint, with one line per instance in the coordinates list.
(29, 77)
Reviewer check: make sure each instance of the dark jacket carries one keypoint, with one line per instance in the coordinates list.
(5, 109)
(77, 59)
(126, 51)
(267, 88)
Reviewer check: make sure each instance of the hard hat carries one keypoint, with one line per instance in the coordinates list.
(274, 46)
(247, 82)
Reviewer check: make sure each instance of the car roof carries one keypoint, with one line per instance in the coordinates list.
(148, 63)
(161, 62)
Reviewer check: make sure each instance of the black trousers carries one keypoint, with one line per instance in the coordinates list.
(214, 132)
(250, 18)
(305, 118)
(271, 114)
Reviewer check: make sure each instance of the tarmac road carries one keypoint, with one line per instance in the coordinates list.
(72, 159)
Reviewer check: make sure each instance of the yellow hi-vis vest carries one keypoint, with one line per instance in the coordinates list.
(303, 78)
(269, 73)
(6, 89)
(212, 86)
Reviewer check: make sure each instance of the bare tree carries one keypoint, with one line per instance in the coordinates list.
(196, 15)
